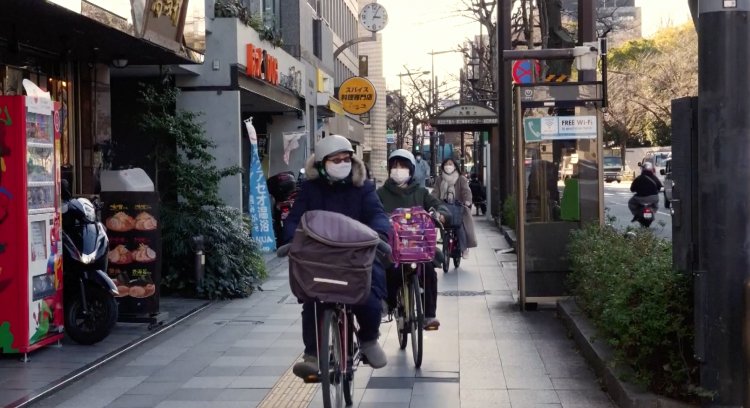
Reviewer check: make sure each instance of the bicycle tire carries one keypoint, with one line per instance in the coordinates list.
(446, 254)
(353, 350)
(416, 321)
(330, 361)
(403, 331)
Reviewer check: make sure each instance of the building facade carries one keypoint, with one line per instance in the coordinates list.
(376, 148)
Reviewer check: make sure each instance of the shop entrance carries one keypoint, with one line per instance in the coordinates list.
(558, 133)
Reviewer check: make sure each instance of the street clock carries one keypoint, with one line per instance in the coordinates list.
(373, 17)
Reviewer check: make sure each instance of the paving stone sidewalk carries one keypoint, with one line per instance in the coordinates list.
(238, 353)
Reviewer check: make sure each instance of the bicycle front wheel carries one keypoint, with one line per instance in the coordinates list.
(416, 320)
(331, 360)
(402, 315)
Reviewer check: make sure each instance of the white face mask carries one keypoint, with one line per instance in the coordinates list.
(449, 169)
(338, 171)
(400, 176)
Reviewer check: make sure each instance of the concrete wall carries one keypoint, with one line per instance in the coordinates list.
(221, 121)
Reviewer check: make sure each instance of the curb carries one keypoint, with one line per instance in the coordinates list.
(64, 381)
(600, 356)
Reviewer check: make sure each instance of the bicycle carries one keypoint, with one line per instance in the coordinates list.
(413, 244)
(338, 347)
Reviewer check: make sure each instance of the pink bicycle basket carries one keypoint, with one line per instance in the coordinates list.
(414, 237)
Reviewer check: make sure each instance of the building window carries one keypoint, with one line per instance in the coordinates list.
(317, 36)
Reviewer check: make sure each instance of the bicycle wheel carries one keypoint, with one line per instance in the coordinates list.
(402, 315)
(416, 321)
(352, 360)
(330, 360)
(446, 252)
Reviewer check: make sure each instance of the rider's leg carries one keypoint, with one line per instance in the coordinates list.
(368, 317)
(393, 283)
(633, 206)
(309, 366)
(430, 297)
(462, 240)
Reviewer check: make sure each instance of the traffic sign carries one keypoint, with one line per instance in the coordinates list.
(526, 71)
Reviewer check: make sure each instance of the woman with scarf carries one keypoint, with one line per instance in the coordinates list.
(452, 188)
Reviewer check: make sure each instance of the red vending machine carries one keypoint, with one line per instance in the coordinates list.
(31, 309)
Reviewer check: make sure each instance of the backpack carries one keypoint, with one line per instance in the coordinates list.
(331, 258)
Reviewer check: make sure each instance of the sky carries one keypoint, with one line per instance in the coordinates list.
(417, 27)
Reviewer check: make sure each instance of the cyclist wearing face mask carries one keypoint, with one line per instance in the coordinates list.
(337, 182)
(402, 190)
(453, 188)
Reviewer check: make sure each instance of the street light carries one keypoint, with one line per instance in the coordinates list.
(401, 103)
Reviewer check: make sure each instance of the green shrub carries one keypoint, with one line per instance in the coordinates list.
(644, 309)
(191, 204)
(509, 212)
(233, 263)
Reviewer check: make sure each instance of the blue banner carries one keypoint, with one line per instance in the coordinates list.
(259, 204)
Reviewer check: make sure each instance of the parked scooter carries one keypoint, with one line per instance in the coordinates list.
(89, 294)
(283, 188)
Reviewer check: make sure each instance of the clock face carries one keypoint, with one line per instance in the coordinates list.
(373, 17)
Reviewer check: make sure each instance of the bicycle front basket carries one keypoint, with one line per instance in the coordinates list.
(414, 237)
(331, 258)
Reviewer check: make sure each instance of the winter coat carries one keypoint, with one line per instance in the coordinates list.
(421, 172)
(392, 196)
(646, 185)
(463, 195)
(354, 197)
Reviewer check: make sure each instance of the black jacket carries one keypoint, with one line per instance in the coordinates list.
(646, 185)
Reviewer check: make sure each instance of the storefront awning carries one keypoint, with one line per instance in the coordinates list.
(31, 28)
(348, 126)
(260, 96)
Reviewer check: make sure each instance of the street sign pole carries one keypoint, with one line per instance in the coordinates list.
(724, 194)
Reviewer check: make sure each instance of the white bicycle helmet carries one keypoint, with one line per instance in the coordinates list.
(332, 144)
(403, 154)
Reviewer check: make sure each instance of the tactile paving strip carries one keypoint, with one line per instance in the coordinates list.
(289, 392)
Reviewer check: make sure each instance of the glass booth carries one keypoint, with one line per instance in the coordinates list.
(559, 180)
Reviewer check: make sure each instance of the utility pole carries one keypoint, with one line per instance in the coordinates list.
(724, 192)
(501, 139)
(586, 32)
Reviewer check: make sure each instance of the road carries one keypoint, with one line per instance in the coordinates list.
(616, 198)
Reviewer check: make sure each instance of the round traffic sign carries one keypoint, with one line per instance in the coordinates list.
(526, 71)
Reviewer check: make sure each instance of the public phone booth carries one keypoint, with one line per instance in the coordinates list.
(558, 136)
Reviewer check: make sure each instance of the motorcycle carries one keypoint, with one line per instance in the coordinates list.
(646, 215)
(89, 294)
(283, 188)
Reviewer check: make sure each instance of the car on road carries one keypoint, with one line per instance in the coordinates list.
(613, 169)
(668, 182)
(659, 160)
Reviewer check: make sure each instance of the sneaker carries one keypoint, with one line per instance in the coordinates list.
(384, 308)
(307, 369)
(465, 254)
(374, 353)
(431, 323)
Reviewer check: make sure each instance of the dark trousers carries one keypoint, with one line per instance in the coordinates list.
(367, 314)
(393, 280)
